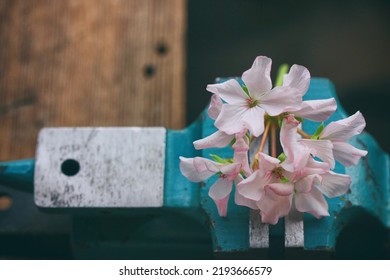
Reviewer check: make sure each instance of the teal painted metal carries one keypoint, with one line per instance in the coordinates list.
(230, 233)
(19, 174)
(178, 191)
(318, 233)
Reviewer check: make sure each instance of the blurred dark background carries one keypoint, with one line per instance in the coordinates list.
(345, 41)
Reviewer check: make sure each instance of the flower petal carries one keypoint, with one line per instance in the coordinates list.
(220, 192)
(231, 169)
(215, 106)
(279, 100)
(230, 91)
(314, 167)
(312, 202)
(344, 129)
(282, 189)
(222, 206)
(243, 201)
(297, 154)
(241, 148)
(267, 162)
(204, 164)
(253, 186)
(274, 206)
(257, 79)
(334, 184)
(253, 119)
(220, 189)
(322, 149)
(305, 184)
(298, 77)
(317, 110)
(230, 119)
(288, 135)
(218, 139)
(188, 169)
(347, 154)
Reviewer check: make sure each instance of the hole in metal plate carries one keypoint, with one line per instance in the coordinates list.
(70, 167)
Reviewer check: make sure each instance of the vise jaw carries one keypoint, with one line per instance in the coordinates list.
(133, 172)
(100, 167)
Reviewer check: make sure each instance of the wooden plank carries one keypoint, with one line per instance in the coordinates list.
(88, 63)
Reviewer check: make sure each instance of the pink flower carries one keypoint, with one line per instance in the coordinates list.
(218, 139)
(339, 132)
(298, 151)
(241, 110)
(245, 108)
(253, 186)
(276, 190)
(214, 107)
(265, 187)
(239, 199)
(241, 148)
(313, 183)
(199, 169)
(316, 110)
(299, 180)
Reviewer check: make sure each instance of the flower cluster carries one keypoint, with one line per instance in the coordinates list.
(249, 114)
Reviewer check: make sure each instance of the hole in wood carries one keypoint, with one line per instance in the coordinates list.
(5, 202)
(70, 167)
(149, 70)
(162, 48)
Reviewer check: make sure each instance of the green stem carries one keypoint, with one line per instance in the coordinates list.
(283, 69)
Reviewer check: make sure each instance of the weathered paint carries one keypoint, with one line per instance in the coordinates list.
(19, 174)
(120, 167)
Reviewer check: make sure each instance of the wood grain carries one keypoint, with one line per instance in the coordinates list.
(89, 63)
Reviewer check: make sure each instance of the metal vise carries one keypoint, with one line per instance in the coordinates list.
(118, 193)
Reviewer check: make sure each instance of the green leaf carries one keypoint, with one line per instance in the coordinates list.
(244, 88)
(221, 160)
(218, 159)
(316, 135)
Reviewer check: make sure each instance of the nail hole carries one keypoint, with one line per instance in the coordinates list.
(162, 48)
(70, 167)
(5, 202)
(149, 71)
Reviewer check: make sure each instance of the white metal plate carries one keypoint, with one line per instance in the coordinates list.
(119, 167)
(258, 232)
(294, 234)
